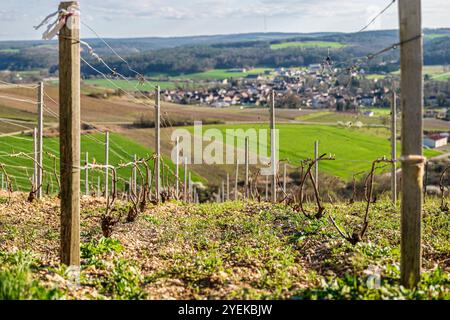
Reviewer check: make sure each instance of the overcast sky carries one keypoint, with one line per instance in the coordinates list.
(142, 18)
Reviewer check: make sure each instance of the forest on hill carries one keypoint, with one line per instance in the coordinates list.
(174, 56)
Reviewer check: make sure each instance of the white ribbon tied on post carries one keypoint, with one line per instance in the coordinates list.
(54, 27)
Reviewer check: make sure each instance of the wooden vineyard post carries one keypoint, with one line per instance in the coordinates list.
(35, 158)
(412, 160)
(316, 165)
(98, 187)
(247, 157)
(273, 148)
(69, 138)
(134, 175)
(86, 174)
(228, 186)
(106, 164)
(40, 133)
(236, 181)
(190, 187)
(158, 143)
(394, 147)
(185, 179)
(284, 179)
(223, 191)
(177, 170)
(267, 188)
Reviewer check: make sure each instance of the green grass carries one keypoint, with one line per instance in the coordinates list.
(435, 72)
(432, 36)
(221, 74)
(307, 44)
(120, 150)
(441, 77)
(172, 82)
(9, 50)
(354, 148)
(375, 76)
(17, 281)
(233, 250)
(334, 117)
(131, 85)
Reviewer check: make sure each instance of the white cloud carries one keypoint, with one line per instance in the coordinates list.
(119, 18)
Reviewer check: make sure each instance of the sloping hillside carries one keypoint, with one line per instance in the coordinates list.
(235, 250)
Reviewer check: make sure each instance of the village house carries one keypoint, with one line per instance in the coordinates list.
(435, 141)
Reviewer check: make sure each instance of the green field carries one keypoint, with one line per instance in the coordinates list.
(355, 149)
(130, 85)
(432, 36)
(375, 76)
(221, 74)
(441, 77)
(334, 117)
(9, 50)
(307, 44)
(435, 72)
(173, 82)
(120, 150)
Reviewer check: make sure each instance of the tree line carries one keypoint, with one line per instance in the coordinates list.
(243, 54)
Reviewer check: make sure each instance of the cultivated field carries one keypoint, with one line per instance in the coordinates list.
(235, 250)
(364, 145)
(131, 85)
(355, 149)
(122, 150)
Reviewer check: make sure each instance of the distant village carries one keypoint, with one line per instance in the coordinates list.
(311, 87)
(314, 87)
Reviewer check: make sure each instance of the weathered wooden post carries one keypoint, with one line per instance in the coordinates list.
(35, 159)
(284, 179)
(247, 157)
(228, 186)
(106, 164)
(98, 187)
(40, 141)
(316, 166)
(177, 172)
(394, 147)
(236, 180)
(273, 147)
(223, 191)
(69, 138)
(134, 175)
(185, 179)
(190, 187)
(158, 143)
(412, 160)
(86, 174)
(267, 188)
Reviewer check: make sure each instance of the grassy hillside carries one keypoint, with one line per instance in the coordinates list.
(220, 74)
(121, 151)
(130, 85)
(215, 74)
(334, 117)
(236, 250)
(354, 148)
